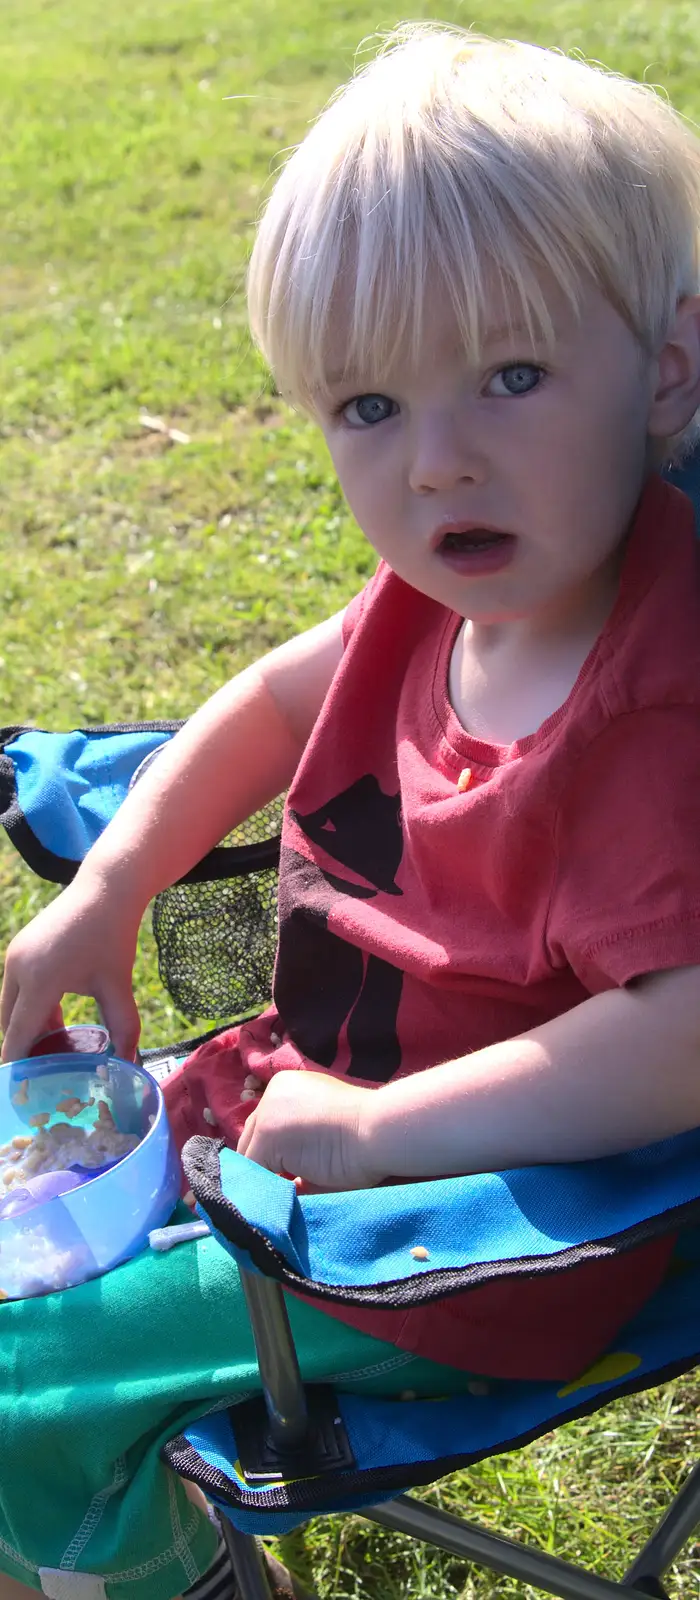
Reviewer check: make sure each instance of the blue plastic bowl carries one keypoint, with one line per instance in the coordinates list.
(87, 1230)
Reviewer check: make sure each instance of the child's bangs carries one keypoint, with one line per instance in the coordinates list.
(492, 178)
(376, 321)
(351, 285)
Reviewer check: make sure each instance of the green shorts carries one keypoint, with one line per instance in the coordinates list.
(94, 1380)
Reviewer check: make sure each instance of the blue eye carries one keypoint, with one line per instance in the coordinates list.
(517, 379)
(369, 409)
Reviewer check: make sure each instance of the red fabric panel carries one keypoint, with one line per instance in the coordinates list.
(551, 1326)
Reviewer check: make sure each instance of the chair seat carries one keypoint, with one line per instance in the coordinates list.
(399, 1444)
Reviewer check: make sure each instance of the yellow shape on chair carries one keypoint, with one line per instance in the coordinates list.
(616, 1365)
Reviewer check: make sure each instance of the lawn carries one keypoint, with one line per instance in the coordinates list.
(138, 573)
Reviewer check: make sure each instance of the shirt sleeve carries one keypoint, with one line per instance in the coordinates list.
(626, 897)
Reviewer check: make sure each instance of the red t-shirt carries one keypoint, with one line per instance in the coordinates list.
(419, 922)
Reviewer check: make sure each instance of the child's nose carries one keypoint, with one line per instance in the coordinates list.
(444, 453)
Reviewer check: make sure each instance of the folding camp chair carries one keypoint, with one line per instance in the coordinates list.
(271, 1463)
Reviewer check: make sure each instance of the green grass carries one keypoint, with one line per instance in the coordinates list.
(136, 576)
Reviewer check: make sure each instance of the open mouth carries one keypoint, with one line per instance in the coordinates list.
(475, 539)
(476, 550)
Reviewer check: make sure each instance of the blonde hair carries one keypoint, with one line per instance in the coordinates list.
(451, 162)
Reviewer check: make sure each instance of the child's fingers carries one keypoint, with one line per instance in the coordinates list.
(247, 1133)
(257, 1146)
(121, 1019)
(8, 997)
(27, 1021)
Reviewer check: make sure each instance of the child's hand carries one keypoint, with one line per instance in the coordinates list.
(82, 943)
(312, 1127)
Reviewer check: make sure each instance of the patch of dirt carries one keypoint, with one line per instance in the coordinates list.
(143, 444)
(21, 287)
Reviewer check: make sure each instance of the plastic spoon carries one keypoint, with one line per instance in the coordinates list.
(46, 1186)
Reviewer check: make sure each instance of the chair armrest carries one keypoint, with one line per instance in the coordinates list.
(406, 1244)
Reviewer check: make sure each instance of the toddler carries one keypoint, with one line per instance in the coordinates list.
(479, 273)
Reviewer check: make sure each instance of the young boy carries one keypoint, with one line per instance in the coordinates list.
(480, 274)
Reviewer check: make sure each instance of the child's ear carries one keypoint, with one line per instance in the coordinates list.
(676, 394)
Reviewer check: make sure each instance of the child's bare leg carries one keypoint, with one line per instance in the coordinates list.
(10, 1589)
(194, 1494)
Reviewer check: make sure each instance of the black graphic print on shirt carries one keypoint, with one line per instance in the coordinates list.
(362, 829)
(322, 982)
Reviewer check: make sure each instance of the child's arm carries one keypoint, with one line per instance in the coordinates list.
(235, 754)
(619, 1071)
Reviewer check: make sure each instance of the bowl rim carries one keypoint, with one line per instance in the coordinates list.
(88, 1062)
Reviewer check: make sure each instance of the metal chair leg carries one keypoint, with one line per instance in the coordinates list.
(494, 1551)
(674, 1530)
(260, 1576)
(283, 1390)
(247, 1562)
